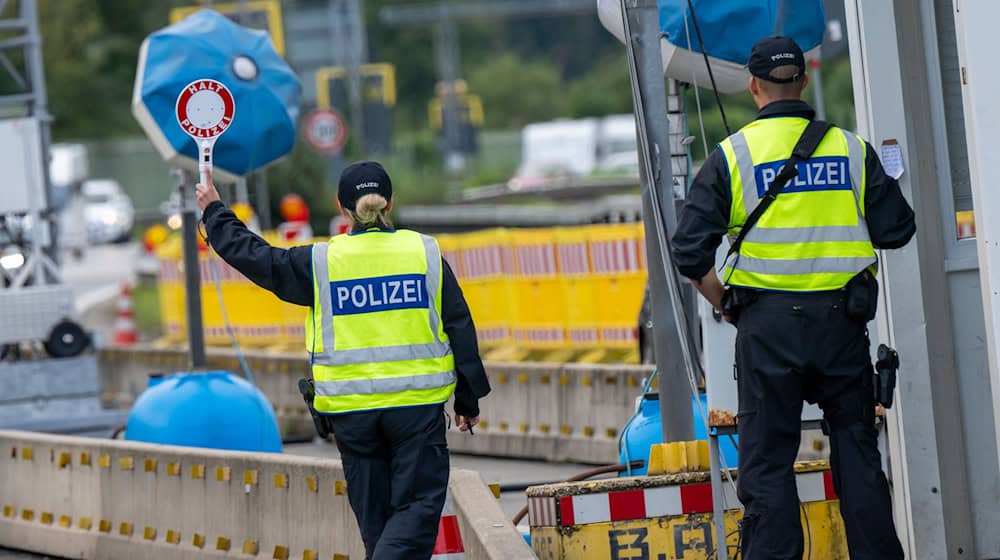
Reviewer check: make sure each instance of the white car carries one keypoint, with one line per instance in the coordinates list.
(108, 210)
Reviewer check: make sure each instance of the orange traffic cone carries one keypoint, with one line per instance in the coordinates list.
(448, 545)
(125, 333)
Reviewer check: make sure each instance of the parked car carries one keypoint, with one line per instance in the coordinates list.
(108, 210)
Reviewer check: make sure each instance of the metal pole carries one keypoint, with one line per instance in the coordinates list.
(40, 110)
(816, 78)
(263, 200)
(192, 271)
(650, 100)
(446, 55)
(718, 498)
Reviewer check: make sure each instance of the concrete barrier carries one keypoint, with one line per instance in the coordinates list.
(551, 411)
(103, 499)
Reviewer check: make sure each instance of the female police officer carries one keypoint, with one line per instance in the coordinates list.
(390, 339)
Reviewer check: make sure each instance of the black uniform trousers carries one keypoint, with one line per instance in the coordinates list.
(790, 348)
(396, 465)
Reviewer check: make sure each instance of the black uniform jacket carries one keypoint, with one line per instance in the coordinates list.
(288, 274)
(705, 216)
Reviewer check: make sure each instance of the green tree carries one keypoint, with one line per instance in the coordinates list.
(516, 92)
(604, 90)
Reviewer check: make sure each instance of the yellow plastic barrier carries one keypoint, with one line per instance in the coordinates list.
(557, 294)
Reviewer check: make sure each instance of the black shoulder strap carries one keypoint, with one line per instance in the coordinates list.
(804, 148)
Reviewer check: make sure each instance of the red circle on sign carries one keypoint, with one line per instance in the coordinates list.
(205, 109)
(326, 131)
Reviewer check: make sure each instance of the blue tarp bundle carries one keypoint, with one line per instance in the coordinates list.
(731, 27)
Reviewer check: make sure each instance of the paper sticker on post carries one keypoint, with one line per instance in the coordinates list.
(892, 158)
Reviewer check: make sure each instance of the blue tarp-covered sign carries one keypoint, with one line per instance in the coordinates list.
(208, 45)
(730, 29)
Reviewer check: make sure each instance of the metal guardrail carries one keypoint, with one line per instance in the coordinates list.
(558, 188)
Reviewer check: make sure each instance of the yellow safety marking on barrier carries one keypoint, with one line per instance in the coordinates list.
(173, 537)
(65, 521)
(104, 526)
(149, 465)
(544, 428)
(9, 511)
(223, 474)
(483, 424)
(311, 483)
(310, 554)
(504, 426)
(563, 379)
(280, 480)
(222, 543)
(588, 431)
(280, 552)
(341, 557)
(47, 518)
(612, 432)
(126, 463)
(523, 427)
(85, 459)
(611, 380)
(502, 378)
(149, 533)
(566, 429)
(173, 469)
(495, 488)
(339, 487)
(126, 529)
(104, 461)
(85, 523)
(522, 378)
(27, 454)
(197, 472)
(27, 515)
(250, 548)
(585, 381)
(632, 381)
(65, 459)
(544, 379)
(198, 540)
(250, 476)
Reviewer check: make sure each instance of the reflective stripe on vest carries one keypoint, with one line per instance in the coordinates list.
(848, 247)
(384, 385)
(329, 357)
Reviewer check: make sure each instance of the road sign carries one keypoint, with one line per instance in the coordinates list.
(255, 14)
(326, 131)
(205, 109)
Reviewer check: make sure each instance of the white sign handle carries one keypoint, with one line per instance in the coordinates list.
(205, 148)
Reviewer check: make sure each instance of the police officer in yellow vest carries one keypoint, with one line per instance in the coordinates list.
(390, 339)
(807, 260)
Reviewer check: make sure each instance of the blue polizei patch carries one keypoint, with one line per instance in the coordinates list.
(381, 293)
(828, 173)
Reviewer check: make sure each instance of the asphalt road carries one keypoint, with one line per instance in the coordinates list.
(98, 276)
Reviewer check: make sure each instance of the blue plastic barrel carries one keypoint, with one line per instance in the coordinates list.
(645, 430)
(215, 409)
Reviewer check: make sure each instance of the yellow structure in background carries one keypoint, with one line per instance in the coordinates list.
(259, 14)
(555, 294)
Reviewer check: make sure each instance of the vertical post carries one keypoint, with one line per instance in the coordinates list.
(40, 110)
(263, 200)
(718, 497)
(192, 271)
(816, 82)
(446, 55)
(356, 45)
(650, 100)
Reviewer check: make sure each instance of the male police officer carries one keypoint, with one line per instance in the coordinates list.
(807, 260)
(390, 337)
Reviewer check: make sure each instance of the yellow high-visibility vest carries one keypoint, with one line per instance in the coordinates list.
(814, 236)
(375, 334)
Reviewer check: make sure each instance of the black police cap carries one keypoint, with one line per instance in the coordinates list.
(360, 179)
(774, 52)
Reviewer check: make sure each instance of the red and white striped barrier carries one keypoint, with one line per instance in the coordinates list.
(623, 255)
(665, 501)
(448, 545)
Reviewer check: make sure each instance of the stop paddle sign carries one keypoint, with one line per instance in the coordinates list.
(205, 109)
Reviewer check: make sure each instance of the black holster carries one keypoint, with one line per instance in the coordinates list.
(735, 300)
(322, 423)
(885, 375)
(861, 300)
